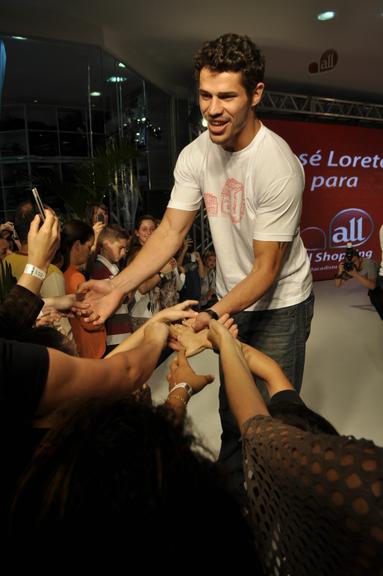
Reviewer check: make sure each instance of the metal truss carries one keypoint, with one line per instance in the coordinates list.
(299, 104)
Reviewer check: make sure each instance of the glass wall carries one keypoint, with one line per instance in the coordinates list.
(80, 125)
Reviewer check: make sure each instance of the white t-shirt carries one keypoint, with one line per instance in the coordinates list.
(255, 193)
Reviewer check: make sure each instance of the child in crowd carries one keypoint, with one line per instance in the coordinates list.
(110, 250)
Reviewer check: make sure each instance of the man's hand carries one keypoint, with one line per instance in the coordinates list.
(181, 371)
(100, 299)
(95, 289)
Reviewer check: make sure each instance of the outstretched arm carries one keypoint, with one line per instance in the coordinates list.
(266, 368)
(104, 296)
(244, 397)
(70, 377)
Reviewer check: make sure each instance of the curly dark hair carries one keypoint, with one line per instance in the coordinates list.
(118, 474)
(233, 53)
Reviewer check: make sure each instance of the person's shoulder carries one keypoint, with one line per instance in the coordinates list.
(196, 148)
(274, 151)
(273, 139)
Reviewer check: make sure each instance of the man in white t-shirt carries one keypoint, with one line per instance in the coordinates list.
(252, 186)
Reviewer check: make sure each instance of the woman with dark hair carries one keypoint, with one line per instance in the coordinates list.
(97, 216)
(76, 242)
(120, 480)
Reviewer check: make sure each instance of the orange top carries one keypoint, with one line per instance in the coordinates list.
(90, 339)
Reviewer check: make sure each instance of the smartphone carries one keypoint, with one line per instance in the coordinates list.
(100, 218)
(39, 204)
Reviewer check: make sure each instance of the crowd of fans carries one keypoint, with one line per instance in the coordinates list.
(95, 471)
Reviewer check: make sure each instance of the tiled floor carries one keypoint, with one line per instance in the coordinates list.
(343, 374)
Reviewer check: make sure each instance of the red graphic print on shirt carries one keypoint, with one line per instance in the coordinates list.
(211, 204)
(233, 200)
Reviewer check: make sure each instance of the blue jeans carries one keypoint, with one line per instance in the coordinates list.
(282, 334)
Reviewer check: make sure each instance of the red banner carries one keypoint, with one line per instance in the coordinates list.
(342, 200)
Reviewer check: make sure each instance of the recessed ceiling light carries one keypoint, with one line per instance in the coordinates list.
(328, 15)
(121, 65)
(19, 38)
(95, 93)
(116, 79)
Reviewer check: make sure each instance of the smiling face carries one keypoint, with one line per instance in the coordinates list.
(145, 230)
(228, 108)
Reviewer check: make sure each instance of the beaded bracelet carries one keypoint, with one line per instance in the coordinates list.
(178, 398)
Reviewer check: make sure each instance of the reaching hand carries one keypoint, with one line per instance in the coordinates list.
(169, 266)
(180, 311)
(49, 316)
(183, 335)
(181, 371)
(64, 303)
(217, 333)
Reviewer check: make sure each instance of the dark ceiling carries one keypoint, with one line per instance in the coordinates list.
(158, 38)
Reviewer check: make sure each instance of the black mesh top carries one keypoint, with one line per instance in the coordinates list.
(316, 500)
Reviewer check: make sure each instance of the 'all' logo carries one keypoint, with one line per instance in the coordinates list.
(351, 225)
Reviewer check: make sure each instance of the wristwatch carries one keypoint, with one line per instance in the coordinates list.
(212, 313)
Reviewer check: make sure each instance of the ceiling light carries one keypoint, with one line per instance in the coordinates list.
(115, 79)
(121, 65)
(95, 93)
(329, 15)
(19, 38)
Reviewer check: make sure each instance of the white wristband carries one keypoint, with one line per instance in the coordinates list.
(185, 386)
(34, 271)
